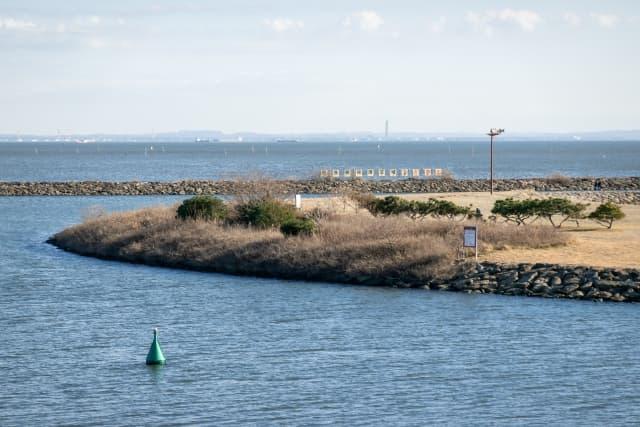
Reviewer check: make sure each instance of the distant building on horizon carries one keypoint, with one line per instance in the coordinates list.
(386, 129)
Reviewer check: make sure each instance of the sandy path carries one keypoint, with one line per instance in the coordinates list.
(590, 244)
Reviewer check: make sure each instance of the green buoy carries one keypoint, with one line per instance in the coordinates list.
(155, 356)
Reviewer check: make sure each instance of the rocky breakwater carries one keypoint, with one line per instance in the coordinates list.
(629, 185)
(619, 197)
(546, 280)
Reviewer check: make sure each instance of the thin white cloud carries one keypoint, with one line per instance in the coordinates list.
(485, 22)
(11, 24)
(91, 24)
(572, 19)
(280, 25)
(89, 31)
(366, 20)
(103, 43)
(479, 23)
(526, 19)
(88, 21)
(437, 26)
(96, 43)
(605, 20)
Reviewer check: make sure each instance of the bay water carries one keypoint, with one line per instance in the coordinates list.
(74, 332)
(161, 161)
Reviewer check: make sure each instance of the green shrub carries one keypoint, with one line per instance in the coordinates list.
(392, 205)
(265, 213)
(449, 209)
(207, 208)
(420, 210)
(606, 213)
(517, 211)
(298, 226)
(415, 209)
(565, 208)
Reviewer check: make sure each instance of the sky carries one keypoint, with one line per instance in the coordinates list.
(125, 66)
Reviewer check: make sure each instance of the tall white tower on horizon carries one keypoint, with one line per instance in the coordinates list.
(386, 129)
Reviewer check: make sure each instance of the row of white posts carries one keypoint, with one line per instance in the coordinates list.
(357, 172)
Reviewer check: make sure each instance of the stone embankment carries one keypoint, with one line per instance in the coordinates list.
(623, 190)
(620, 197)
(545, 280)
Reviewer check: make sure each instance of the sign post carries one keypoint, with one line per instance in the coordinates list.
(298, 201)
(470, 238)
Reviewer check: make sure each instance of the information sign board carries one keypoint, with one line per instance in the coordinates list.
(470, 237)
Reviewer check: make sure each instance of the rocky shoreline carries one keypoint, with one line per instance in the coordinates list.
(620, 190)
(534, 280)
(547, 281)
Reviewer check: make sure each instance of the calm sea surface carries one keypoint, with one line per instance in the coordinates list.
(177, 161)
(74, 333)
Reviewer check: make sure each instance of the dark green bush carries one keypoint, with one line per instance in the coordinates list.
(437, 208)
(265, 213)
(207, 208)
(298, 226)
(415, 209)
(519, 211)
(606, 213)
(420, 210)
(449, 209)
(392, 205)
(565, 208)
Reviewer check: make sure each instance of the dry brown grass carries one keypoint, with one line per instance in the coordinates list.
(589, 245)
(558, 179)
(256, 186)
(346, 248)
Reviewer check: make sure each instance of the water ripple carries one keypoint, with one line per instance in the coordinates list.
(75, 332)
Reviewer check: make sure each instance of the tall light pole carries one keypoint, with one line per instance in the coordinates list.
(492, 132)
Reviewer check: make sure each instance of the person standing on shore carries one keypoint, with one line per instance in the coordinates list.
(597, 185)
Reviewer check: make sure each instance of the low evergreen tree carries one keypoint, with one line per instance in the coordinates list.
(606, 213)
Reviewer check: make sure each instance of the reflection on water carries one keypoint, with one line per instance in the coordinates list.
(155, 372)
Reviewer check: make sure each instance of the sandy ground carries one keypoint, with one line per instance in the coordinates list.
(590, 244)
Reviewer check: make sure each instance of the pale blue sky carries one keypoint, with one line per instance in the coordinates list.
(300, 66)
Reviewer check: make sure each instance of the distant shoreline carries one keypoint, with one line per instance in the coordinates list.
(190, 136)
(629, 187)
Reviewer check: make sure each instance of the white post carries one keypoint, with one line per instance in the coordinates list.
(298, 201)
(476, 245)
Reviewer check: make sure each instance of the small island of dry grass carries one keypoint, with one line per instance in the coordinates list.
(354, 248)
